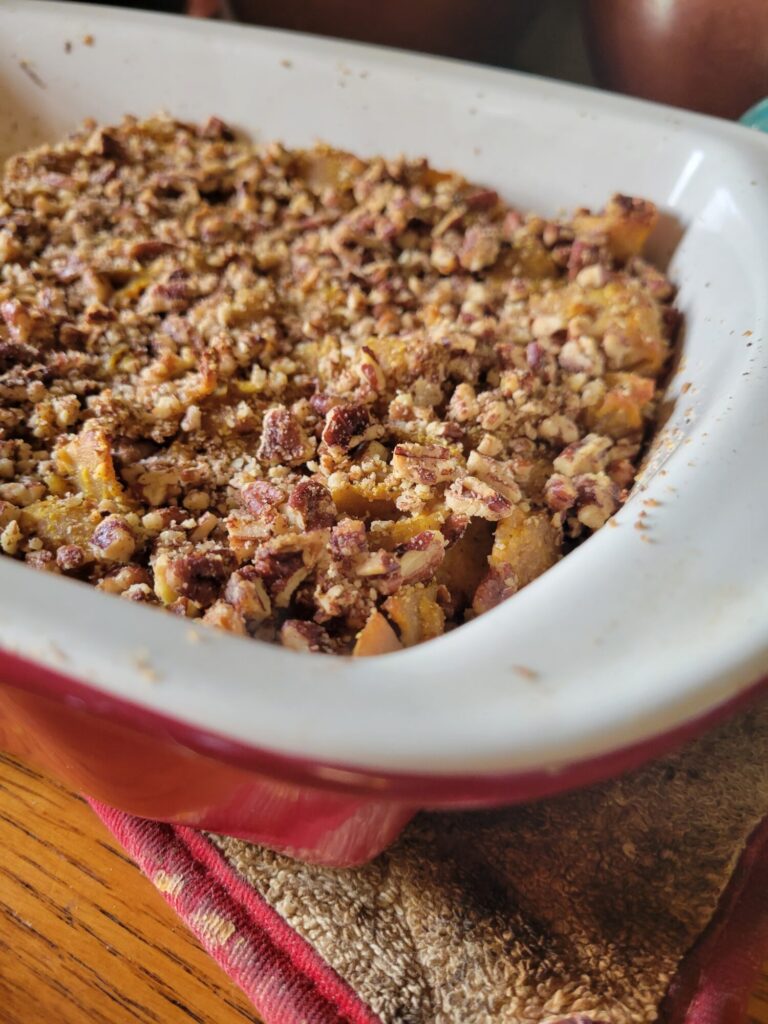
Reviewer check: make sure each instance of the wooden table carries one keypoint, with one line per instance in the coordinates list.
(84, 937)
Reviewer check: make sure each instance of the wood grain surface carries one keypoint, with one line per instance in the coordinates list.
(84, 937)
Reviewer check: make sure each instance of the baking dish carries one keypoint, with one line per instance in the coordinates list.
(636, 639)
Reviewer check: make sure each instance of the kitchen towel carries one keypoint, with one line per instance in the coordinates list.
(640, 899)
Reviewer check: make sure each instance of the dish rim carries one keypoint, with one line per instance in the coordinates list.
(738, 670)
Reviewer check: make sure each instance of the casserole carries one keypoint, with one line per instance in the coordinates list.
(639, 636)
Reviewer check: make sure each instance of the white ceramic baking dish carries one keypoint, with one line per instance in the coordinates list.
(637, 633)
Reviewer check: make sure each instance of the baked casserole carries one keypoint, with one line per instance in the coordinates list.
(344, 404)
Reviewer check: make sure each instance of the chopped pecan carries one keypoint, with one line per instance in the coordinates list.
(471, 497)
(380, 563)
(114, 540)
(482, 199)
(261, 496)
(499, 583)
(463, 405)
(245, 532)
(215, 128)
(598, 498)
(149, 249)
(283, 440)
(313, 505)
(246, 593)
(480, 248)
(560, 493)
(424, 463)
(222, 615)
(582, 355)
(285, 562)
(588, 455)
(345, 426)
(17, 319)
(70, 557)
(371, 371)
(117, 581)
(198, 575)
(498, 475)
(44, 560)
(298, 635)
(348, 540)
(13, 353)
(420, 558)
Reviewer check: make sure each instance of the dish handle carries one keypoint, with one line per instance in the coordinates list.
(757, 116)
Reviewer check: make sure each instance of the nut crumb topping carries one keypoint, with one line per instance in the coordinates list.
(335, 403)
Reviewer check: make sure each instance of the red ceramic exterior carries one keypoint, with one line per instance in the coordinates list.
(157, 767)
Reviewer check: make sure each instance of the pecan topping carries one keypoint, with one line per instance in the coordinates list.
(424, 463)
(199, 575)
(313, 505)
(498, 475)
(283, 439)
(421, 556)
(70, 557)
(498, 584)
(586, 456)
(260, 497)
(305, 396)
(345, 426)
(298, 635)
(560, 493)
(114, 540)
(471, 497)
(348, 540)
(246, 593)
(480, 248)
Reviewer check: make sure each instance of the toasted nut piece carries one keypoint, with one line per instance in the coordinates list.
(560, 493)
(480, 248)
(312, 505)
(113, 540)
(261, 496)
(597, 499)
(424, 463)
(499, 583)
(246, 593)
(10, 538)
(463, 405)
(223, 616)
(472, 497)
(348, 540)
(421, 556)
(586, 456)
(498, 475)
(283, 440)
(376, 637)
(298, 635)
(345, 426)
(70, 557)
(118, 581)
(370, 370)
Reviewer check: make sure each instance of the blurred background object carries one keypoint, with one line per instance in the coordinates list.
(708, 55)
(483, 30)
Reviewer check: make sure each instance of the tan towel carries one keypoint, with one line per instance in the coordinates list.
(581, 907)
